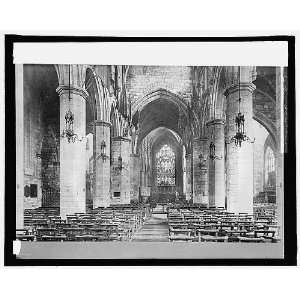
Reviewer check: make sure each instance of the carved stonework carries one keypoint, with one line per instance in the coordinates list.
(77, 75)
(247, 75)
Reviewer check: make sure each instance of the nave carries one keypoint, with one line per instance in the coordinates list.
(150, 153)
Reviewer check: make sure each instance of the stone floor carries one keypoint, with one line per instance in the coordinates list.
(155, 229)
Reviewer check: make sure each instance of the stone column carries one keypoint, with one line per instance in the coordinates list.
(239, 163)
(102, 166)
(203, 169)
(20, 147)
(217, 166)
(196, 172)
(188, 185)
(134, 177)
(120, 184)
(72, 155)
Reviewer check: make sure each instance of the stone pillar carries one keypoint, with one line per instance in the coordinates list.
(188, 186)
(183, 159)
(239, 163)
(72, 155)
(134, 177)
(120, 184)
(72, 162)
(102, 166)
(217, 166)
(196, 172)
(20, 147)
(203, 169)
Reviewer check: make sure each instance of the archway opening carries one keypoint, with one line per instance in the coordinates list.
(165, 167)
(161, 149)
(264, 165)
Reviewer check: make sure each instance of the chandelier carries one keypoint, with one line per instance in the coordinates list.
(212, 151)
(120, 162)
(202, 163)
(103, 151)
(103, 154)
(120, 165)
(68, 131)
(240, 135)
(212, 147)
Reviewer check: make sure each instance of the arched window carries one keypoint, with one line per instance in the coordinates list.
(165, 166)
(269, 168)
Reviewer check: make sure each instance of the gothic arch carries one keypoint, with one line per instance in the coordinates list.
(139, 104)
(268, 124)
(119, 125)
(99, 99)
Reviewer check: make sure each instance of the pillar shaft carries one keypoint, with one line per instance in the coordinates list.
(120, 184)
(239, 165)
(72, 162)
(196, 172)
(217, 165)
(203, 170)
(134, 177)
(102, 165)
(188, 185)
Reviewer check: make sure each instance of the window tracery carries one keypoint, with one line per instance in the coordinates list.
(269, 168)
(165, 166)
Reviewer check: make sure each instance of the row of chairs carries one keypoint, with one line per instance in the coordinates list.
(102, 224)
(218, 225)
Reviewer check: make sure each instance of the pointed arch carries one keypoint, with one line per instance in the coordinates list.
(99, 97)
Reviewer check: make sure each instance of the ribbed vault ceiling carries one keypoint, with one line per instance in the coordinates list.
(158, 114)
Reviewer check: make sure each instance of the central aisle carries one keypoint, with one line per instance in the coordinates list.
(155, 228)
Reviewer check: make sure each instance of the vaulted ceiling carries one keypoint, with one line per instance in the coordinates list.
(157, 114)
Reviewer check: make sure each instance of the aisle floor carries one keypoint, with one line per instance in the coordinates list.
(155, 229)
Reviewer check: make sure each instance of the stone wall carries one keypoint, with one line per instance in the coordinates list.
(32, 139)
(145, 79)
(41, 127)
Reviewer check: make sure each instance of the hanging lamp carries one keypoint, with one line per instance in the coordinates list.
(212, 146)
(103, 154)
(240, 135)
(68, 131)
(120, 166)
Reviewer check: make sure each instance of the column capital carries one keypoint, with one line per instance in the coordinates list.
(73, 75)
(64, 90)
(244, 86)
(120, 138)
(102, 123)
(201, 139)
(234, 74)
(216, 122)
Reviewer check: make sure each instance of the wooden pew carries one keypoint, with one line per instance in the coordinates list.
(24, 235)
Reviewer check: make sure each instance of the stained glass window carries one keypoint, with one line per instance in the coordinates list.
(269, 167)
(165, 166)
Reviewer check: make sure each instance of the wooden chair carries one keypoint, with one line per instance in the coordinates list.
(24, 235)
(209, 238)
(180, 238)
(244, 239)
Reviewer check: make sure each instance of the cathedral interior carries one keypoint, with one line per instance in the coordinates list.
(138, 146)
